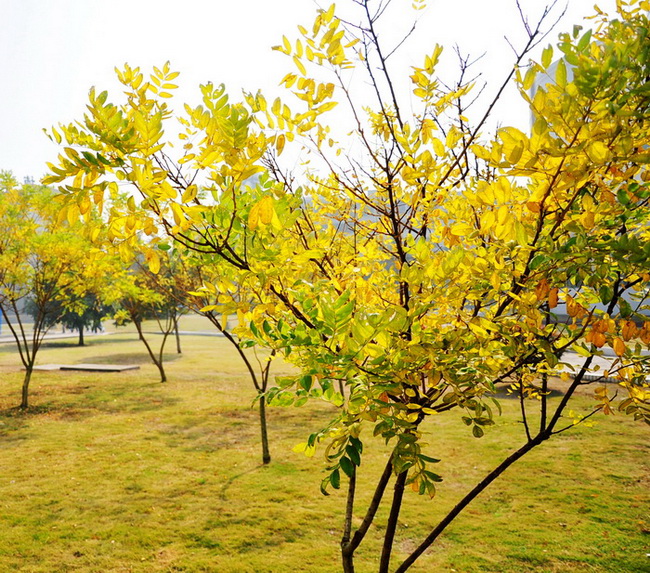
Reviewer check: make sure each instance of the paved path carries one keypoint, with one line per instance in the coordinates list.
(8, 337)
(599, 365)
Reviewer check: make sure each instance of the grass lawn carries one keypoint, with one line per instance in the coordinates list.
(120, 473)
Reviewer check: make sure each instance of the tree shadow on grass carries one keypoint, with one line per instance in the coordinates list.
(83, 401)
(12, 420)
(223, 493)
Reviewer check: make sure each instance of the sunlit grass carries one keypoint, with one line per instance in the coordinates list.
(120, 473)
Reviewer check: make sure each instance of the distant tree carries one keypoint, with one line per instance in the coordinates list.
(78, 314)
(152, 296)
(39, 257)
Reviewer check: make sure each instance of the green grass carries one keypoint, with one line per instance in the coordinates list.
(119, 473)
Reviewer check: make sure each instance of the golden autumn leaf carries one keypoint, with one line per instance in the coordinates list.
(629, 330)
(619, 346)
(266, 210)
(153, 261)
(542, 289)
(598, 339)
(254, 217)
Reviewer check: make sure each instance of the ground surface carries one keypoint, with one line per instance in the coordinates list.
(119, 473)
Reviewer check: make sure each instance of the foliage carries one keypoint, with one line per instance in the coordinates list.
(420, 270)
(43, 261)
(79, 312)
(144, 295)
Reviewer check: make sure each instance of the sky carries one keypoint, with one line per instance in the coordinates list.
(53, 51)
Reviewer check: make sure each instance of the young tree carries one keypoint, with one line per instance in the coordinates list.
(83, 305)
(217, 296)
(39, 258)
(204, 285)
(422, 268)
(142, 298)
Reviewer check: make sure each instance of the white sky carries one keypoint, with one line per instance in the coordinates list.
(53, 51)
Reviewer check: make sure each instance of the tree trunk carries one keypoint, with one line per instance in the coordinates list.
(81, 336)
(161, 369)
(349, 546)
(152, 354)
(266, 455)
(391, 526)
(24, 403)
(348, 562)
(463, 503)
(178, 338)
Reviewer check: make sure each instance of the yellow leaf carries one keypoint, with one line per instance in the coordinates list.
(502, 215)
(300, 65)
(599, 152)
(598, 339)
(487, 220)
(189, 194)
(542, 289)
(178, 213)
(327, 16)
(629, 330)
(153, 260)
(479, 330)
(266, 210)
(279, 143)
(461, 229)
(619, 346)
(254, 217)
(588, 220)
(304, 448)
(560, 74)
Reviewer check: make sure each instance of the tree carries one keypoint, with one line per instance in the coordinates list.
(203, 285)
(422, 268)
(172, 281)
(39, 257)
(217, 297)
(143, 298)
(83, 305)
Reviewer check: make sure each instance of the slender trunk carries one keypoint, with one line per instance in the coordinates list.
(152, 354)
(161, 357)
(81, 336)
(463, 503)
(178, 337)
(348, 549)
(161, 369)
(266, 455)
(24, 403)
(260, 387)
(347, 557)
(391, 526)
